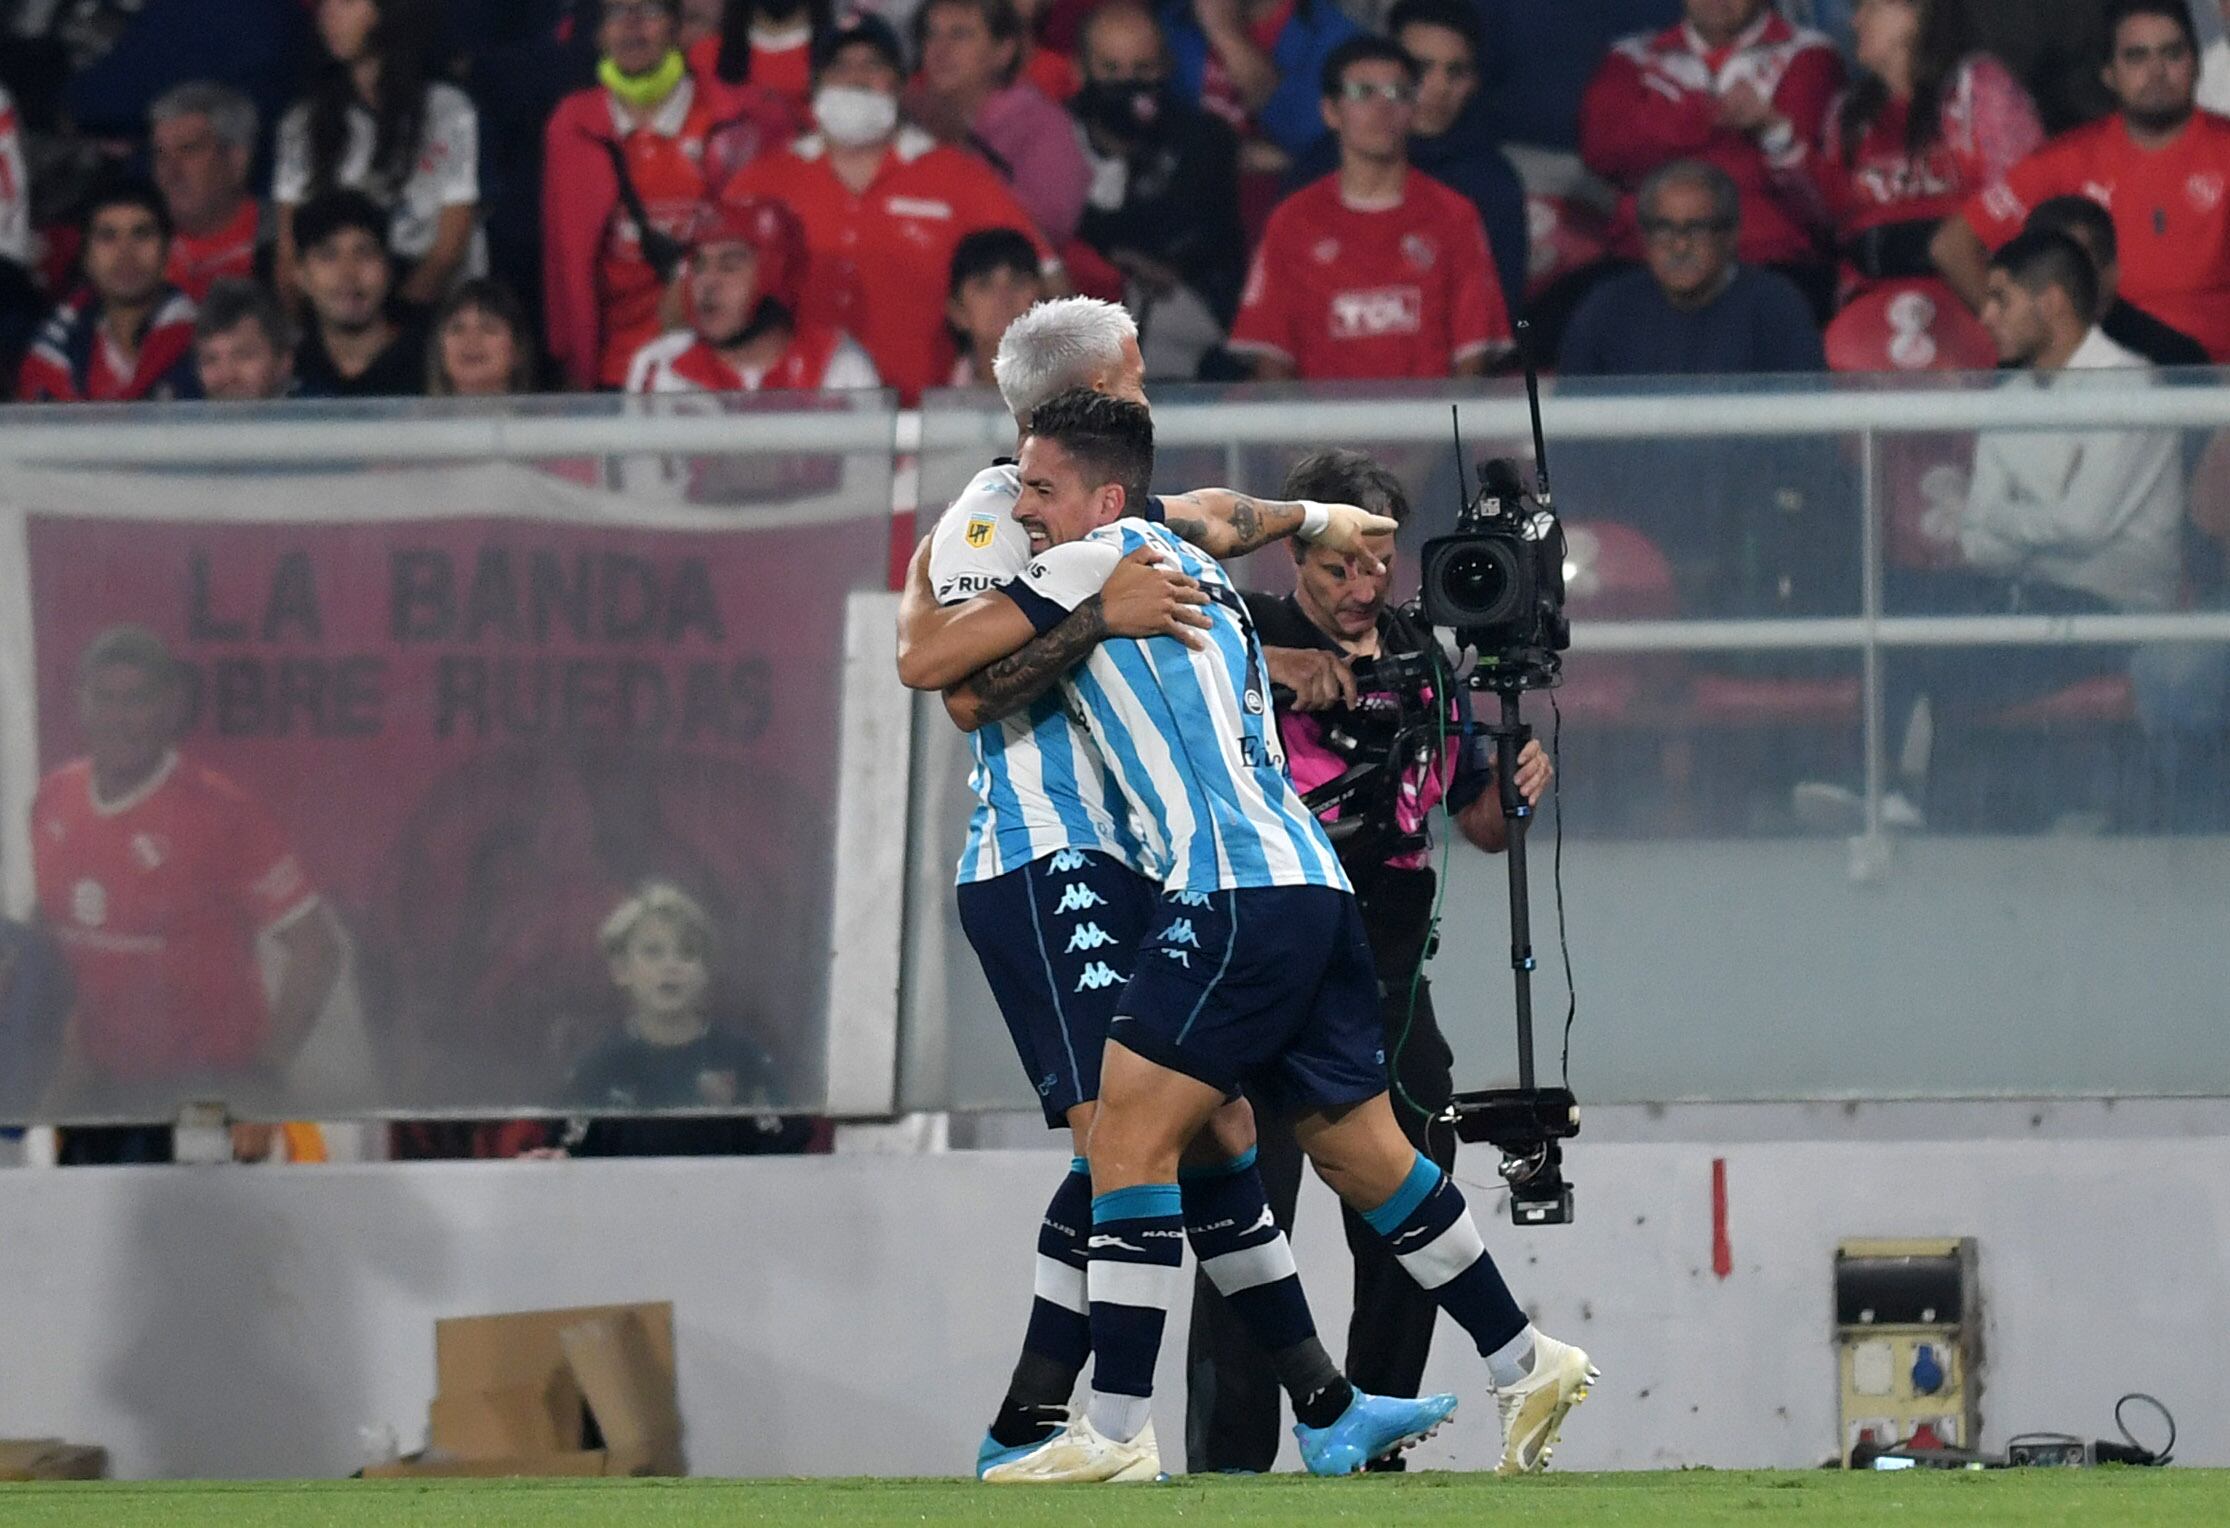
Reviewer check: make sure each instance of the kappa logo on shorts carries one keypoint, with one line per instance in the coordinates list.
(1045, 1084)
(1192, 899)
(1180, 957)
(1179, 932)
(1066, 861)
(1088, 936)
(981, 528)
(1097, 976)
(1076, 897)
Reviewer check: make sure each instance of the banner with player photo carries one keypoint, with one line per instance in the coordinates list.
(466, 711)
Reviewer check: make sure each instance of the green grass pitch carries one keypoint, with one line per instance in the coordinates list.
(1688, 1499)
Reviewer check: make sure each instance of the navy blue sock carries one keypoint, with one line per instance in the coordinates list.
(1428, 1228)
(1059, 1337)
(1250, 1262)
(1137, 1254)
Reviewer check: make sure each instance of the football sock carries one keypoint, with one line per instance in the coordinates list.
(1137, 1253)
(1250, 1262)
(1059, 1337)
(1428, 1228)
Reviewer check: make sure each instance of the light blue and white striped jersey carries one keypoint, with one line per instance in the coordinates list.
(1187, 734)
(1040, 787)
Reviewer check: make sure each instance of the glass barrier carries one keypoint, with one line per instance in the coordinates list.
(1894, 741)
(448, 688)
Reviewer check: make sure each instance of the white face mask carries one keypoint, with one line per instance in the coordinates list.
(853, 116)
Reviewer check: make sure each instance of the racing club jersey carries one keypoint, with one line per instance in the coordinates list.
(1040, 786)
(157, 899)
(1406, 290)
(2171, 208)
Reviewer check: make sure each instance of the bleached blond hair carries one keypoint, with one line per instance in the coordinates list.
(658, 899)
(1059, 344)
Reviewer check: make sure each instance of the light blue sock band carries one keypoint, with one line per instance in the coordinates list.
(1147, 1201)
(1423, 1178)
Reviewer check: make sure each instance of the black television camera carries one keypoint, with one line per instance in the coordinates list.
(1497, 582)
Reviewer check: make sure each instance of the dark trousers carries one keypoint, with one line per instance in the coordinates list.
(1232, 1397)
(1964, 682)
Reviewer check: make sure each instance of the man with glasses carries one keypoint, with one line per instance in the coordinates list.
(1693, 308)
(1374, 271)
(1733, 84)
(2159, 165)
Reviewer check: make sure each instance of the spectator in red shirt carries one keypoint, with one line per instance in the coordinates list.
(971, 93)
(766, 45)
(1927, 124)
(883, 207)
(129, 335)
(1731, 85)
(481, 345)
(159, 877)
(204, 140)
(610, 246)
(2161, 166)
(1377, 270)
(243, 344)
(995, 280)
(743, 270)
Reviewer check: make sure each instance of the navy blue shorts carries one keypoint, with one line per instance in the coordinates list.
(1270, 988)
(1056, 939)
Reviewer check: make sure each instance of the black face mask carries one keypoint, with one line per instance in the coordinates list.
(1132, 110)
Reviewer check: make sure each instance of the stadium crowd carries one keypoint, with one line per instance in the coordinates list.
(360, 198)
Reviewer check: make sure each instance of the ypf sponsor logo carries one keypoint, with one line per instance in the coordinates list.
(1382, 310)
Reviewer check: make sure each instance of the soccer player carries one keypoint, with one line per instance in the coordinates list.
(1055, 883)
(2160, 165)
(1377, 270)
(1258, 974)
(158, 876)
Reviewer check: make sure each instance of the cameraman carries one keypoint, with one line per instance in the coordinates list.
(1311, 641)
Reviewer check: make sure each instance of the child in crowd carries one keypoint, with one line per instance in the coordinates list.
(659, 946)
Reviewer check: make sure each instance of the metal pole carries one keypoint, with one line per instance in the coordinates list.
(1509, 738)
(1870, 616)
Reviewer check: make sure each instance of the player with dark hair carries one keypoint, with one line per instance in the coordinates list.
(1258, 974)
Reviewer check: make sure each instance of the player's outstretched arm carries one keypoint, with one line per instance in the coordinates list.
(1223, 523)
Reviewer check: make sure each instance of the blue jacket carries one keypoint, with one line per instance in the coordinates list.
(1291, 118)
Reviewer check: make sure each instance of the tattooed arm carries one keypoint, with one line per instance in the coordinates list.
(1000, 689)
(1223, 523)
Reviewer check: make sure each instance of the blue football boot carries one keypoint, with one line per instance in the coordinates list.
(1371, 1427)
(991, 1453)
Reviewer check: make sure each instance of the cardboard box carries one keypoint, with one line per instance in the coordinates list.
(586, 1391)
(51, 1459)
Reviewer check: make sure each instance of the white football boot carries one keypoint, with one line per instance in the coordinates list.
(1533, 1409)
(1080, 1453)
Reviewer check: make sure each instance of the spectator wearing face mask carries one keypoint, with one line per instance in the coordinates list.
(1164, 201)
(883, 207)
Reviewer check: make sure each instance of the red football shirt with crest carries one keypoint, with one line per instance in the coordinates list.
(1404, 290)
(2171, 210)
(157, 899)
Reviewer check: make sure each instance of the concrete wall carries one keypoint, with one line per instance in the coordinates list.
(857, 1315)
